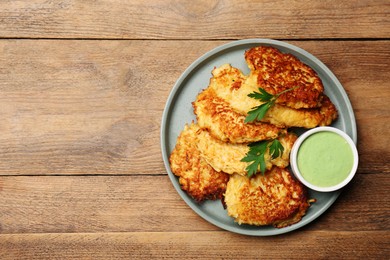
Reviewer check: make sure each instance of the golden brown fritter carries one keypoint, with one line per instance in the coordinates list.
(328, 112)
(307, 118)
(227, 76)
(222, 156)
(235, 94)
(207, 156)
(226, 157)
(273, 199)
(276, 71)
(196, 177)
(214, 114)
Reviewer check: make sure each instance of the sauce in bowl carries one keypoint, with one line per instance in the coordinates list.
(324, 159)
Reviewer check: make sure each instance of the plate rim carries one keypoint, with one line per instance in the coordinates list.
(168, 107)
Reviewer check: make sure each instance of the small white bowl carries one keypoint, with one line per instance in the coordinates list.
(294, 156)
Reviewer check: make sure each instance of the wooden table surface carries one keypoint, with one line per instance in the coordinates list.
(83, 85)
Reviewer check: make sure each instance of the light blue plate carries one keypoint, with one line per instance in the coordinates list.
(178, 111)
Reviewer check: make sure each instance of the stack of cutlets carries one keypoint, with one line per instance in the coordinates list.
(208, 154)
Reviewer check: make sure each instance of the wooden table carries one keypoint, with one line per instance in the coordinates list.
(82, 88)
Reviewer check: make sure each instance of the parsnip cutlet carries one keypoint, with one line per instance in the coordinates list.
(235, 94)
(276, 71)
(196, 176)
(226, 157)
(273, 199)
(214, 114)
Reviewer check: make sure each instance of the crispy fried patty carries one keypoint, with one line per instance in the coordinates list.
(207, 156)
(196, 176)
(273, 199)
(226, 157)
(277, 71)
(214, 114)
(234, 94)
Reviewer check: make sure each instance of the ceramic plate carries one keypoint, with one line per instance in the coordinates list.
(178, 111)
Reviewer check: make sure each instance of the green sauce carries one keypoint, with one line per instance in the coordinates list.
(325, 159)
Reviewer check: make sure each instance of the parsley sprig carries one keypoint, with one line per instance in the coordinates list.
(256, 154)
(257, 113)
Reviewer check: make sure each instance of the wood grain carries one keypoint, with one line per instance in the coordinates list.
(200, 19)
(82, 88)
(79, 204)
(190, 245)
(94, 107)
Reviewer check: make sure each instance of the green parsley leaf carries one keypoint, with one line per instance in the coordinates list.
(258, 147)
(276, 149)
(262, 95)
(255, 155)
(257, 113)
(253, 168)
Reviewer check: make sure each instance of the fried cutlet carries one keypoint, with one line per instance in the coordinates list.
(196, 176)
(307, 118)
(226, 157)
(235, 94)
(276, 71)
(275, 198)
(216, 115)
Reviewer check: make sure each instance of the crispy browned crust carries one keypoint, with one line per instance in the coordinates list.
(215, 115)
(277, 71)
(273, 199)
(226, 157)
(224, 86)
(287, 140)
(308, 118)
(207, 152)
(227, 76)
(328, 111)
(196, 177)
